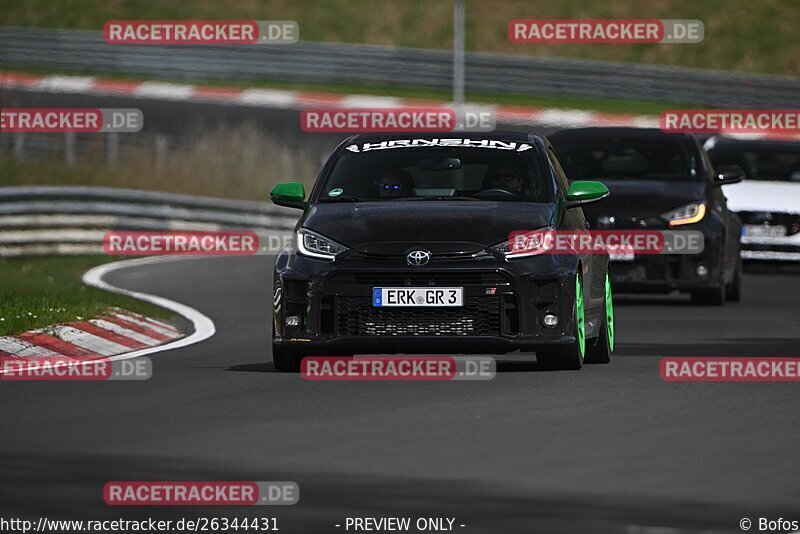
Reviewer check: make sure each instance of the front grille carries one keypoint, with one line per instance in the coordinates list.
(628, 273)
(422, 278)
(771, 247)
(623, 223)
(656, 269)
(480, 316)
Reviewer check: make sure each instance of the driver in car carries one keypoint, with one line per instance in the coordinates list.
(395, 183)
(504, 178)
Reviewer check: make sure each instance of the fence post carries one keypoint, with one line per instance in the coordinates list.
(459, 14)
(161, 152)
(19, 146)
(69, 148)
(112, 150)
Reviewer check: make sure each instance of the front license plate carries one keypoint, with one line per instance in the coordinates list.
(753, 230)
(419, 297)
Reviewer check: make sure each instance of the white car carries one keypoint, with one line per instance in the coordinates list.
(768, 200)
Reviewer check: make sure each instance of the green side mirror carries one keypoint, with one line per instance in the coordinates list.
(289, 194)
(585, 192)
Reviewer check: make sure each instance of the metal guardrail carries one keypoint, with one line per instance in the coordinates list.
(73, 220)
(70, 50)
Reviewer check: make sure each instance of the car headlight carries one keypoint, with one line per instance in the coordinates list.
(688, 214)
(524, 244)
(314, 245)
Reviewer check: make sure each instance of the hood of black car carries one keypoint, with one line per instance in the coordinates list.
(448, 226)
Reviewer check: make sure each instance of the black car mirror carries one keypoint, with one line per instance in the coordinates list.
(728, 174)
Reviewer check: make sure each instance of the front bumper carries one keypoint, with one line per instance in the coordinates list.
(770, 236)
(504, 302)
(663, 273)
(771, 248)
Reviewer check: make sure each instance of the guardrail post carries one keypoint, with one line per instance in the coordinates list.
(287, 150)
(459, 14)
(161, 152)
(69, 148)
(19, 146)
(112, 150)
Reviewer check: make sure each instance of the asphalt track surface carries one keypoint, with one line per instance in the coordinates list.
(611, 448)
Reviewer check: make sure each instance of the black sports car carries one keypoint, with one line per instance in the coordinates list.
(660, 181)
(403, 247)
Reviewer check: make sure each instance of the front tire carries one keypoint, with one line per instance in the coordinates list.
(285, 360)
(600, 351)
(709, 297)
(733, 291)
(569, 357)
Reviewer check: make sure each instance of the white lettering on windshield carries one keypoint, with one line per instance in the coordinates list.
(446, 142)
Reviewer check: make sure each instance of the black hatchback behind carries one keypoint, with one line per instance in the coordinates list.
(664, 181)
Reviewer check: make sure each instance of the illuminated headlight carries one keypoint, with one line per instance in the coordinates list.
(688, 214)
(292, 321)
(314, 245)
(524, 244)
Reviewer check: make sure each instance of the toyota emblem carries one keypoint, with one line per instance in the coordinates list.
(418, 258)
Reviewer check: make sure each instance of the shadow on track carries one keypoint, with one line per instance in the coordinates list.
(70, 486)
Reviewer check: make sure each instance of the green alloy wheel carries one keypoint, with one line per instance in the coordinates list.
(600, 351)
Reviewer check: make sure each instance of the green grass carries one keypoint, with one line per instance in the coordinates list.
(44, 291)
(41, 172)
(238, 162)
(739, 34)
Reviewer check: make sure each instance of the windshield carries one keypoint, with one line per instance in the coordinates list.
(483, 170)
(761, 163)
(660, 158)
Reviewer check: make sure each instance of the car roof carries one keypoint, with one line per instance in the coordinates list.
(594, 132)
(770, 144)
